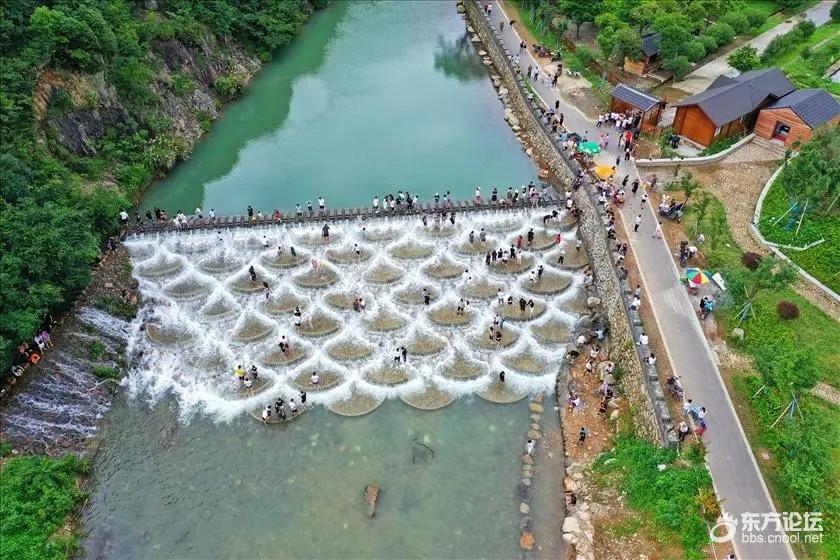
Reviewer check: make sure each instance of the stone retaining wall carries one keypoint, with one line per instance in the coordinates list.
(701, 160)
(591, 231)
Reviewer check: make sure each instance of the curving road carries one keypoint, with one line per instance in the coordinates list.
(730, 459)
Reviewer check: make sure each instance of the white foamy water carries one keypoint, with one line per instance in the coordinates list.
(203, 315)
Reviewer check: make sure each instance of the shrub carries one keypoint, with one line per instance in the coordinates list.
(744, 59)
(709, 43)
(38, 495)
(806, 52)
(722, 33)
(737, 20)
(586, 55)
(229, 86)
(182, 84)
(806, 27)
(115, 306)
(106, 372)
(787, 310)
(694, 51)
(97, 349)
(835, 11)
(679, 65)
(754, 18)
(751, 260)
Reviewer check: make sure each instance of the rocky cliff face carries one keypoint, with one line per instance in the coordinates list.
(77, 110)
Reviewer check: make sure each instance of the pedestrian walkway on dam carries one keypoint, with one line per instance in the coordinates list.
(731, 462)
(544, 199)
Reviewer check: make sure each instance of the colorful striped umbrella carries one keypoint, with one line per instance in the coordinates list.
(696, 277)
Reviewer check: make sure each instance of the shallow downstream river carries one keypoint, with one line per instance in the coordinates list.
(371, 98)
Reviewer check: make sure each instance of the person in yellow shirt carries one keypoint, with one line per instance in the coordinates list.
(240, 373)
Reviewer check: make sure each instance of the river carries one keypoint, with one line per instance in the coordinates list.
(371, 98)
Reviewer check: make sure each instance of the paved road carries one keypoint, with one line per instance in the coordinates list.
(700, 78)
(731, 462)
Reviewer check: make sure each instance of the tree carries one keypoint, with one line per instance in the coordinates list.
(770, 275)
(694, 51)
(688, 185)
(701, 208)
(627, 43)
(835, 11)
(722, 32)
(679, 65)
(717, 227)
(580, 12)
(675, 34)
(744, 59)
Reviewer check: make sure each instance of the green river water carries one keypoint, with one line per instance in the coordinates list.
(371, 98)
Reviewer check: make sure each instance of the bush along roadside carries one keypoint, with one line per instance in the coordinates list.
(39, 496)
(674, 492)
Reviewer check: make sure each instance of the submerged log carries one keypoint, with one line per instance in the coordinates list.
(371, 495)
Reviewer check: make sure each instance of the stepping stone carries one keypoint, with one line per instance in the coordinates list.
(286, 260)
(383, 274)
(276, 358)
(481, 289)
(318, 325)
(512, 312)
(552, 332)
(527, 363)
(462, 369)
(387, 376)
(220, 264)
(358, 404)
(321, 278)
(284, 304)
(340, 300)
(509, 337)
(349, 351)
(424, 344)
(502, 393)
(166, 266)
(347, 256)
(414, 294)
(252, 331)
(327, 381)
(385, 322)
(167, 336)
(446, 315)
(513, 266)
(549, 284)
(444, 270)
(411, 251)
(187, 288)
(431, 398)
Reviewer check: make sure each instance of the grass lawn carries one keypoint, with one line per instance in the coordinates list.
(809, 71)
(822, 261)
(805, 472)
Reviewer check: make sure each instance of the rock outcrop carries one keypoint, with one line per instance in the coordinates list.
(371, 496)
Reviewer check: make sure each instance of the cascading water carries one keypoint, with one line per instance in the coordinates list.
(205, 315)
(61, 406)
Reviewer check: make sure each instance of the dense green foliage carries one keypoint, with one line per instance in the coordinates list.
(799, 33)
(744, 59)
(670, 496)
(36, 496)
(789, 356)
(691, 29)
(811, 182)
(56, 206)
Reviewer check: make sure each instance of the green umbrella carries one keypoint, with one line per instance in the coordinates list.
(590, 148)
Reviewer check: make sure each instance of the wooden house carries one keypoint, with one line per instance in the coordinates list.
(795, 116)
(649, 58)
(626, 99)
(729, 105)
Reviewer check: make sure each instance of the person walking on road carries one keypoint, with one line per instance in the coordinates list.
(638, 223)
(657, 233)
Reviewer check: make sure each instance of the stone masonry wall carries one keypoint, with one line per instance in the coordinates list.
(591, 231)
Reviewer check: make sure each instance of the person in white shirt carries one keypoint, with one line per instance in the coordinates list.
(321, 203)
(212, 214)
(315, 379)
(198, 213)
(123, 217)
(643, 339)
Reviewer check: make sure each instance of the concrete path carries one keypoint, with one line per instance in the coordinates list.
(701, 77)
(730, 459)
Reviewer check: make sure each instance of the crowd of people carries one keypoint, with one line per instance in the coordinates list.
(30, 352)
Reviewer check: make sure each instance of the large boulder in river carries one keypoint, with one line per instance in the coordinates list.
(371, 495)
(513, 120)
